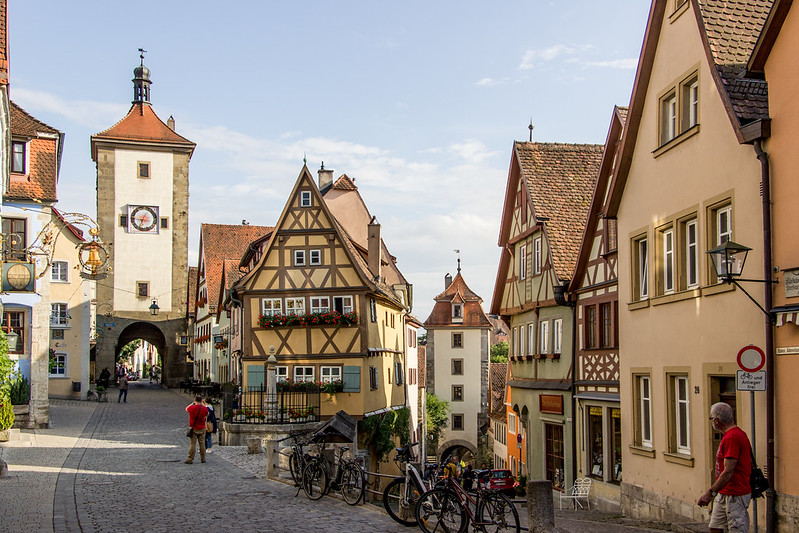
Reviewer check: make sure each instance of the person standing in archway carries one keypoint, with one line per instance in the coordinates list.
(123, 388)
(197, 415)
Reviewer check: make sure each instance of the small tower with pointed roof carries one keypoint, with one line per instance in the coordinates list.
(143, 212)
(458, 345)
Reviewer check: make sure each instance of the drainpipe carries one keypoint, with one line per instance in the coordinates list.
(771, 512)
(562, 298)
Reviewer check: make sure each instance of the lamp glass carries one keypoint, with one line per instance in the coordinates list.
(728, 259)
(12, 338)
(154, 308)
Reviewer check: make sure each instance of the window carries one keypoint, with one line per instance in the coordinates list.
(457, 340)
(299, 257)
(281, 373)
(537, 255)
(457, 393)
(596, 442)
(590, 326)
(142, 289)
(557, 335)
(514, 333)
(164, 223)
(554, 464)
(15, 321)
(606, 330)
(641, 269)
(15, 249)
(271, 306)
(123, 221)
(144, 170)
(398, 373)
(521, 340)
(668, 261)
(644, 419)
(611, 235)
(543, 337)
(457, 422)
(330, 373)
(320, 304)
(530, 338)
(342, 304)
(615, 435)
(691, 254)
(18, 157)
(59, 271)
(295, 306)
(59, 315)
(59, 366)
(723, 225)
(668, 118)
(457, 311)
(303, 373)
(523, 261)
(512, 423)
(457, 367)
(690, 103)
(57, 334)
(305, 198)
(373, 377)
(315, 257)
(680, 422)
(372, 311)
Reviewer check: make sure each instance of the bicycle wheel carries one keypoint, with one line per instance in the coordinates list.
(439, 511)
(314, 480)
(401, 505)
(295, 468)
(498, 514)
(352, 486)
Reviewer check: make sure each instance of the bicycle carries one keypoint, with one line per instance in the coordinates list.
(298, 457)
(447, 509)
(400, 496)
(349, 479)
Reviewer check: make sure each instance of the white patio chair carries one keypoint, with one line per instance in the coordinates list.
(580, 489)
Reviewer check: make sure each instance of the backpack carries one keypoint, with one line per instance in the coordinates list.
(757, 481)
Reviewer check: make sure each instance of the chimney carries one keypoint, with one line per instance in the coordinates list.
(325, 177)
(447, 280)
(375, 260)
(170, 123)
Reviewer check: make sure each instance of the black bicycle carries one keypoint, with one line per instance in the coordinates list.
(400, 496)
(298, 457)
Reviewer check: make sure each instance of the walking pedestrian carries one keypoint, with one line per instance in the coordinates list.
(211, 418)
(197, 414)
(468, 478)
(731, 491)
(123, 388)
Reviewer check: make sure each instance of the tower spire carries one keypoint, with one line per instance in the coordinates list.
(141, 82)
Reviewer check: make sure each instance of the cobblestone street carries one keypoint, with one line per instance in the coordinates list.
(119, 467)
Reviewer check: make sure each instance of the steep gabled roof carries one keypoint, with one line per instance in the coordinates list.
(458, 292)
(230, 276)
(25, 125)
(344, 183)
(40, 182)
(768, 36)
(497, 380)
(77, 232)
(141, 125)
(600, 195)
(219, 242)
(560, 179)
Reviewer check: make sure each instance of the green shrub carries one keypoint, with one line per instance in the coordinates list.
(20, 391)
(6, 415)
(6, 371)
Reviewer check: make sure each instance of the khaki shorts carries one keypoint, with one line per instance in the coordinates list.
(730, 512)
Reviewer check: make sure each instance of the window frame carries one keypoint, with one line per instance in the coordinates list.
(557, 336)
(10, 319)
(523, 261)
(537, 256)
(680, 419)
(299, 258)
(306, 200)
(374, 378)
(640, 266)
(512, 423)
(543, 337)
(24, 157)
(281, 373)
(344, 308)
(16, 251)
(457, 340)
(143, 165)
(60, 274)
(591, 326)
(606, 321)
(143, 294)
(271, 311)
(399, 375)
(320, 307)
(315, 261)
(531, 328)
(304, 377)
(691, 250)
(295, 309)
(64, 365)
(667, 274)
(461, 425)
(59, 315)
(330, 370)
(668, 117)
(644, 428)
(456, 363)
(456, 393)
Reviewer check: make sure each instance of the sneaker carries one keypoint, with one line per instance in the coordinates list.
(188, 462)
(202, 460)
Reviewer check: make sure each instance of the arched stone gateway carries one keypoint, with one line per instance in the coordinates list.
(462, 448)
(118, 331)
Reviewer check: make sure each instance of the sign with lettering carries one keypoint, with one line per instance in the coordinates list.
(550, 403)
(788, 350)
(751, 381)
(791, 278)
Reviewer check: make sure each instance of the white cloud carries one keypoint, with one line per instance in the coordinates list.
(626, 64)
(488, 82)
(543, 55)
(95, 115)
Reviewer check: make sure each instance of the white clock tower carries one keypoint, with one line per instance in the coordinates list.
(142, 211)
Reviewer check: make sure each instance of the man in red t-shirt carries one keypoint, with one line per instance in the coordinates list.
(197, 413)
(731, 489)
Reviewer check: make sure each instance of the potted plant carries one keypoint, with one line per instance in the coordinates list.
(102, 395)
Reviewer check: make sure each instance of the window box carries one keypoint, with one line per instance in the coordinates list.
(312, 319)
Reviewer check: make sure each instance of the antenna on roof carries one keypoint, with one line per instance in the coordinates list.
(459, 260)
(530, 127)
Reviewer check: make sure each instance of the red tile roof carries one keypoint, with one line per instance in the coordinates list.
(3, 42)
(344, 183)
(458, 291)
(560, 180)
(497, 379)
(77, 232)
(39, 184)
(220, 242)
(143, 125)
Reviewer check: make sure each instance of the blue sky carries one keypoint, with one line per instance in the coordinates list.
(420, 102)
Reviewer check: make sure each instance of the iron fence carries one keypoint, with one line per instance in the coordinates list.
(257, 406)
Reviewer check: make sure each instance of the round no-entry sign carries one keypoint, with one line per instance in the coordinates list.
(751, 358)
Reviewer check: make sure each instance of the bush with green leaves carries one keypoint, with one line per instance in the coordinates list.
(378, 431)
(6, 380)
(20, 391)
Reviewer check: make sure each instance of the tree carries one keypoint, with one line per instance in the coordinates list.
(499, 352)
(6, 380)
(128, 349)
(437, 417)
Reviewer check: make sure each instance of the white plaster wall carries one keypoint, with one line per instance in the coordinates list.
(150, 253)
(470, 353)
(412, 363)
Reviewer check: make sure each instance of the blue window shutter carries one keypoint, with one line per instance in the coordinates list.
(255, 376)
(352, 379)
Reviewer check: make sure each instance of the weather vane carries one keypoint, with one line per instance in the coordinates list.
(459, 260)
(530, 127)
(142, 51)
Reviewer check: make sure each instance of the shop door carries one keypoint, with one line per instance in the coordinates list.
(554, 455)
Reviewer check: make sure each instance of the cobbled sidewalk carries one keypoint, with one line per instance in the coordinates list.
(111, 467)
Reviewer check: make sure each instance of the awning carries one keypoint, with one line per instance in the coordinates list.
(600, 396)
(785, 314)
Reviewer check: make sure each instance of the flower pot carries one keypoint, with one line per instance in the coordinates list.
(4, 435)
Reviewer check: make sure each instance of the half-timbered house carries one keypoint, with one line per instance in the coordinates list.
(594, 287)
(546, 204)
(325, 299)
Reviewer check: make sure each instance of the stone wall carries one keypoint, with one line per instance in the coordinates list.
(640, 503)
(787, 512)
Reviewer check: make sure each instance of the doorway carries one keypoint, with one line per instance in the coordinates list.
(722, 389)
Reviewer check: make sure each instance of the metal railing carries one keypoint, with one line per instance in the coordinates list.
(257, 406)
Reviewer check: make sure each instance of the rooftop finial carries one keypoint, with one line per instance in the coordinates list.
(304, 158)
(142, 51)
(459, 260)
(141, 82)
(530, 127)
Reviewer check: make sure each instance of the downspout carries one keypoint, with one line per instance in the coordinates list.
(562, 298)
(765, 192)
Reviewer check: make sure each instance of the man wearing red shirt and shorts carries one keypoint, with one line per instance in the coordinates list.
(197, 413)
(731, 489)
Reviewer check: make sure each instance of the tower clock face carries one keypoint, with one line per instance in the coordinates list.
(144, 218)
